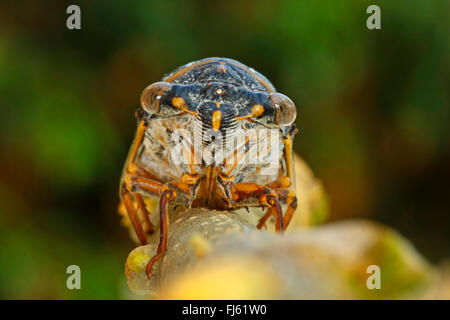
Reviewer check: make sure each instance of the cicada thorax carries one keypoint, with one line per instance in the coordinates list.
(161, 151)
(224, 70)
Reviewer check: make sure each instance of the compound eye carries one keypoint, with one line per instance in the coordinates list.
(285, 111)
(151, 96)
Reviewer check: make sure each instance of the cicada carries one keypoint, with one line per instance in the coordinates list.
(213, 134)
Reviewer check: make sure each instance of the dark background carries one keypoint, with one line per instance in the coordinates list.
(373, 117)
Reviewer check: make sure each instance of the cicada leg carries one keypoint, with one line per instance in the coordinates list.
(265, 196)
(292, 206)
(287, 196)
(283, 188)
(127, 193)
(140, 206)
(270, 195)
(264, 218)
(131, 182)
(132, 214)
(275, 206)
(143, 208)
(136, 180)
(166, 196)
(168, 192)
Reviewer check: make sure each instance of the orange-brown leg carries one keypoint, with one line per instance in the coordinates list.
(287, 196)
(266, 197)
(275, 206)
(132, 181)
(143, 208)
(263, 220)
(132, 214)
(291, 197)
(290, 212)
(166, 196)
(292, 206)
(132, 171)
(136, 177)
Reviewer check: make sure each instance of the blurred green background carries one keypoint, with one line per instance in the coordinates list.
(373, 117)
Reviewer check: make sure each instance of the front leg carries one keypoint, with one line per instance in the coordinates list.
(287, 196)
(251, 193)
(166, 196)
(131, 183)
(166, 192)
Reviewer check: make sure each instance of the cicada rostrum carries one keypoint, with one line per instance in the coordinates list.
(214, 134)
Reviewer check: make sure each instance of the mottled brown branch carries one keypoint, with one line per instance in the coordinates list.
(221, 255)
(216, 255)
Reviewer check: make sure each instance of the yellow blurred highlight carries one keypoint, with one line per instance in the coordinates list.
(229, 277)
(200, 245)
